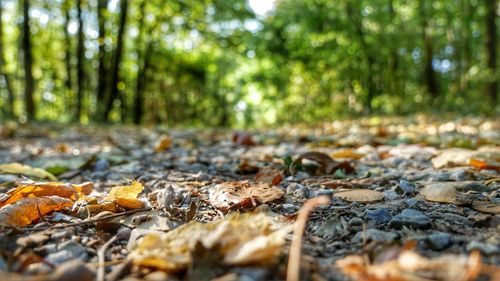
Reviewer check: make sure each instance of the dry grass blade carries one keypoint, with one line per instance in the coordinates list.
(293, 270)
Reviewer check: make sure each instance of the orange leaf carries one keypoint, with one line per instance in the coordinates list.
(38, 189)
(27, 210)
(129, 203)
(483, 165)
(163, 144)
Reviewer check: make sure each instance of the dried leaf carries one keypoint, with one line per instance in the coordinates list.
(326, 164)
(129, 203)
(360, 195)
(125, 191)
(245, 139)
(440, 192)
(346, 153)
(38, 189)
(163, 144)
(27, 210)
(486, 207)
(20, 169)
(483, 165)
(410, 266)
(270, 176)
(233, 195)
(240, 239)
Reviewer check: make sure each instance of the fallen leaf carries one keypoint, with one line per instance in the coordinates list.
(410, 266)
(483, 165)
(233, 195)
(443, 192)
(240, 138)
(346, 153)
(20, 169)
(486, 207)
(39, 189)
(360, 195)
(27, 210)
(325, 164)
(240, 239)
(163, 144)
(269, 175)
(126, 196)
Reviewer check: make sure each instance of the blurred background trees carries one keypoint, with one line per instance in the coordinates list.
(242, 63)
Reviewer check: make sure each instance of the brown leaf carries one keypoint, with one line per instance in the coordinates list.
(486, 207)
(410, 266)
(440, 192)
(326, 164)
(240, 138)
(234, 195)
(38, 189)
(269, 175)
(483, 165)
(27, 210)
(360, 195)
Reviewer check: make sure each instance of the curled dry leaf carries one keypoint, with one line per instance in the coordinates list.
(39, 189)
(27, 210)
(126, 196)
(234, 195)
(240, 239)
(410, 266)
(360, 195)
(326, 164)
(270, 176)
(20, 169)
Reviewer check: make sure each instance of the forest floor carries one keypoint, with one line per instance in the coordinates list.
(400, 199)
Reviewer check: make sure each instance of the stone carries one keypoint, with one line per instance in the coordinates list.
(410, 218)
(69, 250)
(376, 235)
(439, 241)
(379, 216)
(485, 248)
(406, 187)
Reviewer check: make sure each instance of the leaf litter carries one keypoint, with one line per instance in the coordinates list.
(201, 205)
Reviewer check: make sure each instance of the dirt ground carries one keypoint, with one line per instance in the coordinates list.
(409, 198)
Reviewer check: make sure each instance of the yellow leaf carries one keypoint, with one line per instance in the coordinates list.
(346, 153)
(26, 210)
(241, 239)
(126, 191)
(20, 169)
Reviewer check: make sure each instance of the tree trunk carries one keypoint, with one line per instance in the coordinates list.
(429, 73)
(102, 72)
(117, 60)
(370, 60)
(142, 61)
(491, 47)
(3, 72)
(393, 59)
(28, 64)
(80, 73)
(67, 56)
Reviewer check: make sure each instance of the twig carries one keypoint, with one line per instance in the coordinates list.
(86, 221)
(293, 270)
(101, 257)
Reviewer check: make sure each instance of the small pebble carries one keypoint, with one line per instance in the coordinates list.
(439, 241)
(410, 218)
(379, 216)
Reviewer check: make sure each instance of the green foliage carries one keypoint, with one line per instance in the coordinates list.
(217, 63)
